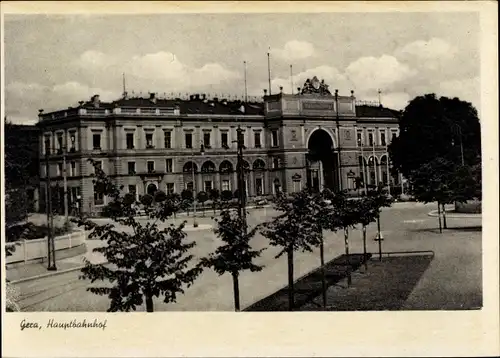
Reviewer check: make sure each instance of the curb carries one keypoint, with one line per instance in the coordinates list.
(49, 274)
(434, 213)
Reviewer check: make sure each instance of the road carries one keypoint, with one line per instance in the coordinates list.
(458, 259)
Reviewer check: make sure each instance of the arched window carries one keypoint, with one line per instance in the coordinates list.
(226, 167)
(208, 167)
(246, 166)
(189, 167)
(259, 165)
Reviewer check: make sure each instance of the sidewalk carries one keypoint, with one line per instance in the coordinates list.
(38, 270)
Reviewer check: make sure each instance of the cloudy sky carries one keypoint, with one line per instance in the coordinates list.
(52, 62)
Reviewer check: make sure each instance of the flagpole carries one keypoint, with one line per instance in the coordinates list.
(269, 69)
(246, 96)
(375, 162)
(291, 77)
(363, 164)
(388, 173)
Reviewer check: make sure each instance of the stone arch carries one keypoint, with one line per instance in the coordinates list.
(322, 161)
(320, 128)
(259, 164)
(189, 166)
(226, 166)
(208, 167)
(151, 189)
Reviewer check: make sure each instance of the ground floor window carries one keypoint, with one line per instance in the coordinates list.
(259, 187)
(170, 188)
(189, 186)
(98, 198)
(207, 186)
(226, 185)
(133, 190)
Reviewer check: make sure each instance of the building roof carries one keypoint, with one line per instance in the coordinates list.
(376, 111)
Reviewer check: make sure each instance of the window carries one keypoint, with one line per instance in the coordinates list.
(169, 165)
(208, 186)
(149, 140)
(206, 139)
(151, 166)
(170, 188)
(168, 139)
(133, 190)
(96, 141)
(189, 186)
(131, 168)
(223, 139)
(130, 140)
(276, 163)
(359, 137)
(259, 189)
(60, 144)
(394, 135)
(98, 165)
(73, 141)
(188, 139)
(382, 138)
(256, 137)
(98, 197)
(225, 185)
(73, 169)
(59, 169)
(370, 139)
(274, 138)
(47, 146)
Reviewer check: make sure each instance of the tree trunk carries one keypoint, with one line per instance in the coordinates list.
(439, 218)
(236, 291)
(444, 218)
(323, 274)
(364, 248)
(290, 279)
(149, 303)
(346, 244)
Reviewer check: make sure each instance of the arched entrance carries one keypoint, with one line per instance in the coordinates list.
(322, 162)
(151, 190)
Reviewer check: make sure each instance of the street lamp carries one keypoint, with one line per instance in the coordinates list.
(241, 176)
(51, 250)
(202, 151)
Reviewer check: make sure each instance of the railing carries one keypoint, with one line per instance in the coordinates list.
(27, 250)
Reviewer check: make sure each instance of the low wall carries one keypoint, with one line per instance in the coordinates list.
(469, 207)
(29, 250)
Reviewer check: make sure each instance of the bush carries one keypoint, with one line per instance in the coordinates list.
(128, 199)
(226, 195)
(146, 200)
(31, 231)
(160, 196)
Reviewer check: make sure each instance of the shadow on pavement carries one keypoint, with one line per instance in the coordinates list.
(309, 286)
(435, 230)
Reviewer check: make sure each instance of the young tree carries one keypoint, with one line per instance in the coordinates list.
(237, 254)
(147, 262)
(202, 197)
(187, 198)
(345, 216)
(226, 195)
(176, 200)
(214, 195)
(294, 229)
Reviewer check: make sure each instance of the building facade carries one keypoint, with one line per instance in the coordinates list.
(311, 138)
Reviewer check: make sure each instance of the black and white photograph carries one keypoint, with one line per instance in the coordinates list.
(242, 162)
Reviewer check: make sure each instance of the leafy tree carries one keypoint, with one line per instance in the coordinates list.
(226, 195)
(237, 254)
(214, 195)
(294, 229)
(176, 200)
(147, 200)
(187, 198)
(345, 216)
(202, 197)
(146, 261)
(437, 134)
(376, 201)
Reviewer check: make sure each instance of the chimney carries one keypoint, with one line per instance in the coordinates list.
(224, 102)
(191, 97)
(152, 97)
(95, 100)
(216, 99)
(197, 97)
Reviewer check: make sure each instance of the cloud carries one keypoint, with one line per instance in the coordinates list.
(95, 60)
(295, 50)
(467, 89)
(26, 98)
(431, 54)
(368, 73)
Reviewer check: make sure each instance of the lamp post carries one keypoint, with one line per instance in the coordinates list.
(65, 186)
(202, 151)
(241, 176)
(51, 256)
